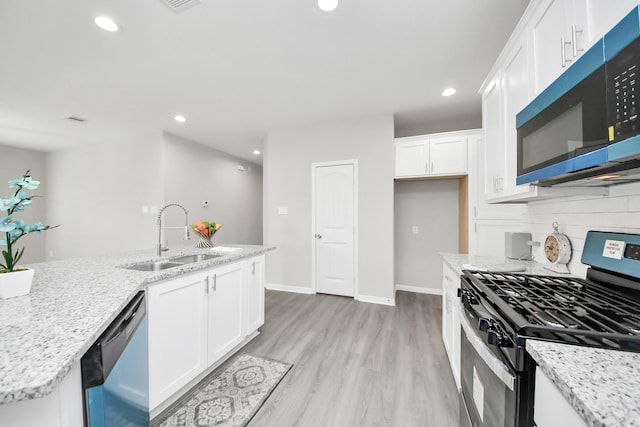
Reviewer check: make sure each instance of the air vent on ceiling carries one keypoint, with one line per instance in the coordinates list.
(180, 5)
(76, 119)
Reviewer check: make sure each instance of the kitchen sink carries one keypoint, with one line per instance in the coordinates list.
(195, 258)
(170, 263)
(154, 266)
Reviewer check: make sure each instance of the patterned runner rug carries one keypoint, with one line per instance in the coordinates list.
(227, 398)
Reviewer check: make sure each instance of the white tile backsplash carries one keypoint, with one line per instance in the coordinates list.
(618, 212)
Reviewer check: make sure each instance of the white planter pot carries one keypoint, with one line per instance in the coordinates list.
(16, 283)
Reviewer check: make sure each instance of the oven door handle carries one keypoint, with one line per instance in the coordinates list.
(497, 366)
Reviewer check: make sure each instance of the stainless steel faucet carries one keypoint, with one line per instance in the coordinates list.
(160, 228)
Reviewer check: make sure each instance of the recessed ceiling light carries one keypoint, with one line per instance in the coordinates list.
(256, 152)
(327, 5)
(106, 24)
(448, 91)
(180, 119)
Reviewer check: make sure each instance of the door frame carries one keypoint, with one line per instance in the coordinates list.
(314, 166)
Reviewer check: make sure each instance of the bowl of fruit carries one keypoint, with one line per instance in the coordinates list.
(205, 231)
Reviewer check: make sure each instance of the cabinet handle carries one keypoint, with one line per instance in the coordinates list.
(574, 40)
(426, 167)
(563, 43)
(215, 282)
(431, 170)
(206, 288)
(253, 268)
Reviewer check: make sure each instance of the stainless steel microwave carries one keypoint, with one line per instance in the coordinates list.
(585, 124)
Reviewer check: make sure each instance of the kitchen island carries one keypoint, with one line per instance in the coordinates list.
(602, 386)
(44, 334)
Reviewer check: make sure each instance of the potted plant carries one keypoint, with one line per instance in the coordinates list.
(16, 281)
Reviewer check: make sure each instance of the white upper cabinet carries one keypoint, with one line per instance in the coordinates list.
(506, 93)
(431, 155)
(448, 155)
(412, 158)
(560, 34)
(602, 15)
(550, 37)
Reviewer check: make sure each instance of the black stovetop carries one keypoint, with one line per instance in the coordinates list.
(562, 309)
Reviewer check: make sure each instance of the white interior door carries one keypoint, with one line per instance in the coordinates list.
(334, 197)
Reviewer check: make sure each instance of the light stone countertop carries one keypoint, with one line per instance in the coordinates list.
(603, 386)
(71, 303)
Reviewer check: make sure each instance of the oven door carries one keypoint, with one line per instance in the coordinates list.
(489, 387)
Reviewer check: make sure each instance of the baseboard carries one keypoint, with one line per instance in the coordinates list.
(285, 288)
(419, 289)
(375, 300)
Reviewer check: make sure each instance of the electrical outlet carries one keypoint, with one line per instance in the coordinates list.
(205, 203)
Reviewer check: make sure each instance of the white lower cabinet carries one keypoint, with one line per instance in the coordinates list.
(451, 319)
(551, 408)
(255, 294)
(177, 334)
(226, 309)
(197, 319)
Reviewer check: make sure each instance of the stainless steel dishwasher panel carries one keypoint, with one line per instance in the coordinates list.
(115, 373)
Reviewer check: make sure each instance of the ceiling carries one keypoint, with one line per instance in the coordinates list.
(239, 68)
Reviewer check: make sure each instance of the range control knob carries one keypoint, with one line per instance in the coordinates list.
(497, 338)
(467, 297)
(484, 324)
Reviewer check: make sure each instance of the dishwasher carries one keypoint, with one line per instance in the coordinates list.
(115, 374)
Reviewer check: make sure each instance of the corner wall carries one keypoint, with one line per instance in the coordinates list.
(96, 194)
(194, 173)
(288, 155)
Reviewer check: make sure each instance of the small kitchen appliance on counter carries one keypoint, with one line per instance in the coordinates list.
(503, 310)
(517, 245)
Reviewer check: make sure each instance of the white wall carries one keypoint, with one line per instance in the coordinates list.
(194, 173)
(14, 162)
(288, 155)
(96, 194)
(618, 212)
(432, 206)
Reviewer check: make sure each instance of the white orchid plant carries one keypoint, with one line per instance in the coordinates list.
(13, 228)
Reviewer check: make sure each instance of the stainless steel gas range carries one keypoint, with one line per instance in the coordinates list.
(503, 310)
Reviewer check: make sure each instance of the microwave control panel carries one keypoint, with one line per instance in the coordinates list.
(622, 77)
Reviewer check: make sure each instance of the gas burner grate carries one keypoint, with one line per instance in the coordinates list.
(563, 309)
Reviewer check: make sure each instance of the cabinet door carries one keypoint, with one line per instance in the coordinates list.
(177, 334)
(412, 158)
(602, 15)
(451, 319)
(551, 37)
(255, 294)
(493, 138)
(226, 316)
(515, 93)
(551, 407)
(448, 155)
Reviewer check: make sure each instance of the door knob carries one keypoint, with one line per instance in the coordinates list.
(318, 236)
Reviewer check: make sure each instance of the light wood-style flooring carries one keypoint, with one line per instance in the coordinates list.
(356, 364)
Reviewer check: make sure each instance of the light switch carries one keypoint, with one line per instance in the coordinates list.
(415, 229)
(283, 210)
